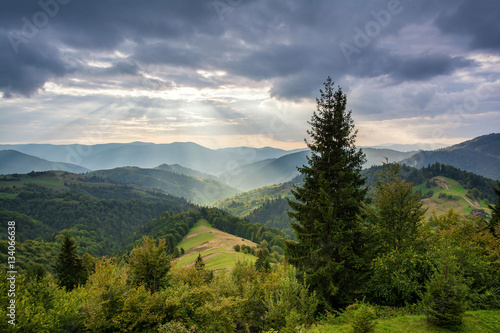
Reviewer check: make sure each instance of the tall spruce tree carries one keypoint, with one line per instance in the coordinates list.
(69, 268)
(329, 237)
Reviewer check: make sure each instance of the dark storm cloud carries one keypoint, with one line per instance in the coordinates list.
(478, 20)
(292, 44)
(27, 71)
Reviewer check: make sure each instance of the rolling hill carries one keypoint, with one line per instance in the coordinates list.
(197, 190)
(12, 161)
(480, 155)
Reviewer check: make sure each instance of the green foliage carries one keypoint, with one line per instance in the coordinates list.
(175, 327)
(199, 264)
(262, 263)
(394, 223)
(329, 243)
(149, 264)
(494, 223)
(69, 268)
(41, 306)
(363, 319)
(237, 247)
(396, 213)
(475, 252)
(290, 305)
(398, 278)
(444, 298)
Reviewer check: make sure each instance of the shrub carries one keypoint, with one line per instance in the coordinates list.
(363, 319)
(237, 248)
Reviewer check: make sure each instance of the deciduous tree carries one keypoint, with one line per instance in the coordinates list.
(149, 264)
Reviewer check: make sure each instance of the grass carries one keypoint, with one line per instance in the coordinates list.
(483, 321)
(199, 234)
(456, 202)
(7, 195)
(215, 247)
(50, 180)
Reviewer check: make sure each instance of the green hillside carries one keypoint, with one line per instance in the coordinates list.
(449, 187)
(197, 190)
(440, 194)
(214, 246)
(243, 204)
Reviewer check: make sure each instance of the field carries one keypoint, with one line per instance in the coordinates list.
(485, 321)
(447, 194)
(215, 247)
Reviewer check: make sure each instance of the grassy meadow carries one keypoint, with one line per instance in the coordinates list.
(215, 247)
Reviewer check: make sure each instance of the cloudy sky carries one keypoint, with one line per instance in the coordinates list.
(225, 73)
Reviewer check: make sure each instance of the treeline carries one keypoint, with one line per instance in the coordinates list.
(169, 226)
(256, 232)
(273, 213)
(173, 227)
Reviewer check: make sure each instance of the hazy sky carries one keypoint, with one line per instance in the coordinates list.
(246, 73)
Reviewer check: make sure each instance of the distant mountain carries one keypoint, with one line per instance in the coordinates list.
(241, 167)
(150, 155)
(196, 190)
(284, 169)
(376, 156)
(179, 169)
(410, 147)
(12, 161)
(480, 155)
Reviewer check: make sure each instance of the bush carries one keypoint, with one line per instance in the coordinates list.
(363, 319)
(237, 248)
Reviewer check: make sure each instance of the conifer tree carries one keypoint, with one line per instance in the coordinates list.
(69, 268)
(199, 264)
(494, 223)
(326, 206)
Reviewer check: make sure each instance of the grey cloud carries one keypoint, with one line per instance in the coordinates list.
(293, 44)
(26, 72)
(478, 20)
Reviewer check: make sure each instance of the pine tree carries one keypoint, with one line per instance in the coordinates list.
(199, 263)
(494, 223)
(262, 262)
(326, 206)
(69, 268)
